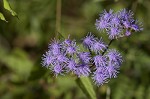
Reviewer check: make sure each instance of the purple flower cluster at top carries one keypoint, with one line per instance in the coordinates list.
(118, 24)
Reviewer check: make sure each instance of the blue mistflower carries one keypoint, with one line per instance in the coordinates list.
(48, 59)
(82, 70)
(114, 32)
(101, 75)
(98, 46)
(62, 58)
(84, 57)
(69, 47)
(71, 65)
(136, 26)
(55, 47)
(106, 15)
(89, 40)
(67, 42)
(114, 57)
(116, 23)
(71, 50)
(104, 19)
(128, 21)
(112, 71)
(58, 69)
(101, 24)
(127, 33)
(100, 60)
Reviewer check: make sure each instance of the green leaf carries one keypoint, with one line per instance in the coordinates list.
(18, 62)
(2, 17)
(7, 7)
(86, 86)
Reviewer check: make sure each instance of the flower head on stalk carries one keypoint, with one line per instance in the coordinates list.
(84, 57)
(69, 46)
(57, 69)
(71, 65)
(103, 22)
(100, 60)
(55, 47)
(101, 76)
(116, 23)
(89, 40)
(82, 70)
(98, 46)
(114, 57)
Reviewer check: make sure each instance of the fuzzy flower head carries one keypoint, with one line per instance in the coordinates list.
(69, 47)
(62, 58)
(98, 46)
(104, 19)
(47, 59)
(112, 71)
(84, 57)
(82, 70)
(116, 23)
(55, 47)
(89, 40)
(114, 57)
(58, 69)
(114, 32)
(101, 76)
(71, 65)
(100, 60)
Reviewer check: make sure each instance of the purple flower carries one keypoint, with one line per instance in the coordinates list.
(47, 59)
(107, 15)
(89, 40)
(55, 47)
(112, 71)
(116, 23)
(71, 50)
(82, 70)
(98, 46)
(114, 57)
(136, 26)
(67, 42)
(104, 19)
(127, 33)
(84, 57)
(69, 47)
(58, 69)
(125, 15)
(71, 65)
(100, 60)
(62, 58)
(101, 24)
(101, 76)
(114, 32)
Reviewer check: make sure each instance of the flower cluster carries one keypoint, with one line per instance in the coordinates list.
(98, 61)
(105, 66)
(64, 57)
(118, 24)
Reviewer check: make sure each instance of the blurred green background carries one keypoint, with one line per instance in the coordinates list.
(23, 40)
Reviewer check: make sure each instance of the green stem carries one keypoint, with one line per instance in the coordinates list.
(58, 18)
(108, 46)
